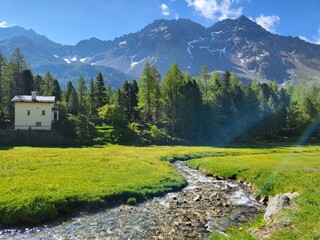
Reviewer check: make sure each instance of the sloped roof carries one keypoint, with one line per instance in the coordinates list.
(28, 98)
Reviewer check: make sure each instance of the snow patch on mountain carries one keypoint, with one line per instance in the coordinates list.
(84, 59)
(133, 64)
(67, 60)
(284, 61)
(159, 29)
(190, 45)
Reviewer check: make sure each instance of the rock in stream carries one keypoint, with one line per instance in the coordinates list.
(205, 205)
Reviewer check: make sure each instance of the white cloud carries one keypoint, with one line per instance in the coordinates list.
(4, 24)
(165, 9)
(317, 37)
(268, 22)
(304, 38)
(212, 9)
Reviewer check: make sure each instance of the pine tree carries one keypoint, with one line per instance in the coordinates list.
(109, 93)
(100, 91)
(38, 84)
(73, 102)
(128, 100)
(27, 82)
(18, 65)
(56, 90)
(172, 81)
(92, 99)
(171, 84)
(71, 98)
(2, 67)
(12, 83)
(133, 96)
(205, 82)
(148, 90)
(226, 78)
(49, 84)
(81, 91)
(68, 91)
(188, 118)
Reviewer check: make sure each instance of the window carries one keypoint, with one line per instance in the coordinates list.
(38, 124)
(43, 112)
(28, 112)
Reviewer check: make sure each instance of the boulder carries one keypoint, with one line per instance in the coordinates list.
(276, 204)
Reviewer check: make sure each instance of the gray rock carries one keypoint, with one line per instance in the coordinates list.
(276, 204)
(197, 198)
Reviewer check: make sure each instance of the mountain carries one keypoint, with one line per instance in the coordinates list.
(17, 31)
(238, 45)
(42, 55)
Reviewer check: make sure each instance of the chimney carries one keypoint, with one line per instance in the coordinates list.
(34, 96)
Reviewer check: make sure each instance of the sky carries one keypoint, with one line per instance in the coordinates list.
(70, 21)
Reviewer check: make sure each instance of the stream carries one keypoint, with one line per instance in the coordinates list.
(204, 205)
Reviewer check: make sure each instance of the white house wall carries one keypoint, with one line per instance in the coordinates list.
(24, 121)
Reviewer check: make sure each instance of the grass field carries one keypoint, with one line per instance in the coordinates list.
(275, 170)
(37, 184)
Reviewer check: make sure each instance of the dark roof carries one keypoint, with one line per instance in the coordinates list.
(28, 98)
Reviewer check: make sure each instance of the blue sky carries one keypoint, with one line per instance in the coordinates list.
(69, 21)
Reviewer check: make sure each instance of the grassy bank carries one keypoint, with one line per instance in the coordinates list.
(275, 170)
(37, 184)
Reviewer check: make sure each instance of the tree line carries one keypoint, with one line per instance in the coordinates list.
(207, 109)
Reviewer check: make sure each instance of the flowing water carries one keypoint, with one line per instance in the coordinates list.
(205, 205)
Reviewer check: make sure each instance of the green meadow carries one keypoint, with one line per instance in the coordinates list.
(275, 170)
(39, 184)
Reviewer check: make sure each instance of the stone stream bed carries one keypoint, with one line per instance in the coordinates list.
(206, 204)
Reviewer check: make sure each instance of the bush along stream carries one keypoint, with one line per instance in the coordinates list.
(205, 205)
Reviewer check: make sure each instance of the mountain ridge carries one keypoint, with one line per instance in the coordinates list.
(238, 45)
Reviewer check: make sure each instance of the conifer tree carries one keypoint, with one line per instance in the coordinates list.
(172, 81)
(188, 118)
(27, 82)
(2, 67)
(81, 92)
(92, 99)
(148, 92)
(18, 64)
(56, 90)
(71, 98)
(100, 91)
(171, 84)
(48, 84)
(205, 82)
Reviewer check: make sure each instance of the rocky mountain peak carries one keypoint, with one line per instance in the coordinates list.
(240, 25)
(238, 45)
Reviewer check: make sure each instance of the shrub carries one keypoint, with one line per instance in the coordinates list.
(132, 201)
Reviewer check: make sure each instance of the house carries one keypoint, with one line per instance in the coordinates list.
(34, 112)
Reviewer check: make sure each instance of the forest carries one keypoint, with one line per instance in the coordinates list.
(212, 108)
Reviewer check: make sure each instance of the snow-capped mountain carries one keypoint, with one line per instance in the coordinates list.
(238, 45)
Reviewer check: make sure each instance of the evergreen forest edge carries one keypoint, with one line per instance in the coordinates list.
(211, 108)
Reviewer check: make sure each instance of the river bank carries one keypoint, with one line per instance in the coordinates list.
(204, 205)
